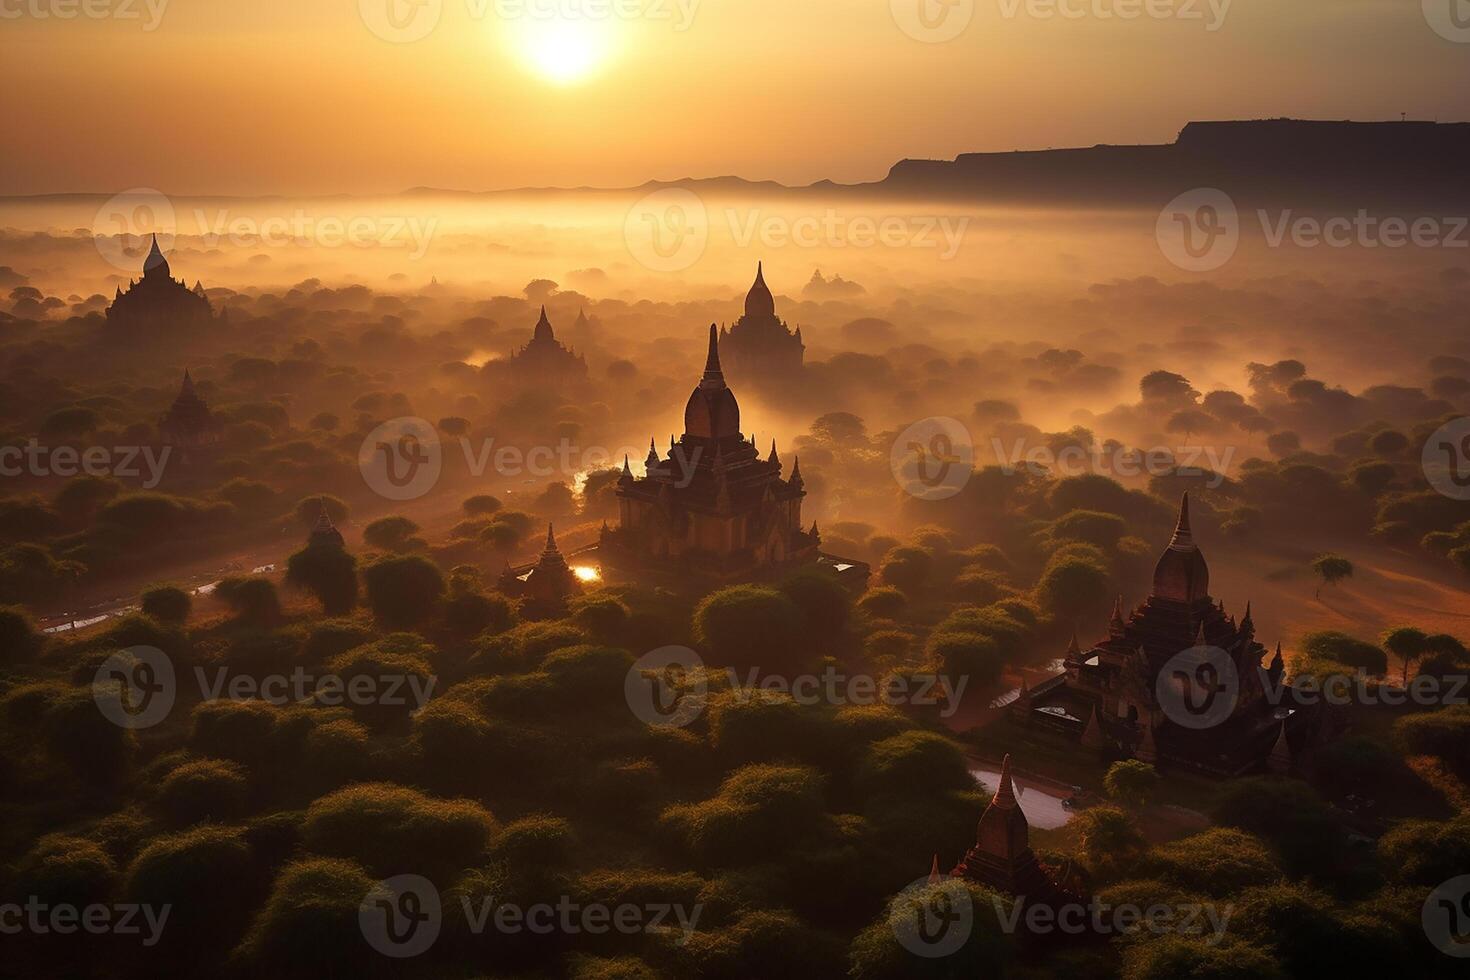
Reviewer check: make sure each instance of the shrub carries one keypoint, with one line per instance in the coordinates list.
(207, 789)
(747, 625)
(167, 603)
(309, 925)
(384, 827)
(403, 590)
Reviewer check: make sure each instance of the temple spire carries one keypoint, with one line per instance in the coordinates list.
(714, 376)
(1005, 793)
(543, 327)
(935, 877)
(155, 259)
(1183, 537)
(551, 540)
(774, 458)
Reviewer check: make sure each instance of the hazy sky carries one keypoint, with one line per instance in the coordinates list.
(323, 96)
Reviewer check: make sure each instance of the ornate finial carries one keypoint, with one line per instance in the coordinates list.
(713, 375)
(1183, 539)
(934, 876)
(774, 458)
(1199, 639)
(652, 460)
(795, 480)
(1074, 649)
(1117, 619)
(1005, 793)
(550, 539)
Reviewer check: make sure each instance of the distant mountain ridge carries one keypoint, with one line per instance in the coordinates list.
(1284, 161)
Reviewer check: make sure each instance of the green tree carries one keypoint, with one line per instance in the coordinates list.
(748, 625)
(1406, 643)
(1331, 569)
(403, 589)
(1131, 781)
(167, 603)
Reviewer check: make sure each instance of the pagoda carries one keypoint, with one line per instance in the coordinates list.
(158, 301)
(544, 360)
(1002, 858)
(545, 586)
(712, 510)
(760, 347)
(1107, 696)
(188, 424)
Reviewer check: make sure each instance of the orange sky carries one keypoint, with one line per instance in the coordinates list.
(303, 97)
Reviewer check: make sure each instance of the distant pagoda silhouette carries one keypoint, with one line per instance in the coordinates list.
(543, 360)
(188, 424)
(760, 347)
(158, 302)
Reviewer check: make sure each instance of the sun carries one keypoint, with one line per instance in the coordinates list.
(563, 50)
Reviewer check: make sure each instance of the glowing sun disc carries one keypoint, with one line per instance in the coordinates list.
(564, 51)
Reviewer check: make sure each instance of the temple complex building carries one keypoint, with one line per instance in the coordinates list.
(188, 424)
(158, 302)
(543, 361)
(712, 510)
(760, 347)
(1179, 682)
